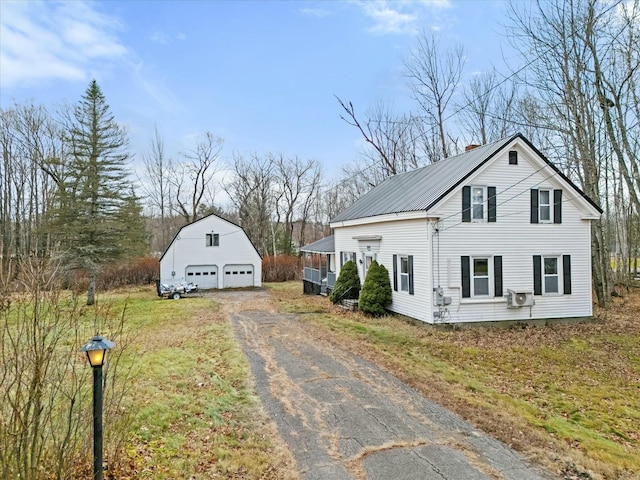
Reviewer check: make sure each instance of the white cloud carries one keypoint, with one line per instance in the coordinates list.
(160, 37)
(389, 20)
(399, 16)
(42, 41)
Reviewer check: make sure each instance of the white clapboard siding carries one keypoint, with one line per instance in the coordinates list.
(517, 241)
(189, 249)
(407, 237)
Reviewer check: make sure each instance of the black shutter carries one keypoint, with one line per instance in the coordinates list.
(466, 278)
(537, 275)
(466, 204)
(395, 273)
(491, 192)
(410, 274)
(566, 273)
(557, 206)
(497, 276)
(534, 205)
(341, 260)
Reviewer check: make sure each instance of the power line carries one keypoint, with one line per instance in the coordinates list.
(555, 173)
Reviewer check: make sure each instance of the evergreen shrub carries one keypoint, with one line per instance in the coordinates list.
(376, 290)
(348, 279)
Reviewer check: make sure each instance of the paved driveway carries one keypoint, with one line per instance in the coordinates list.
(345, 418)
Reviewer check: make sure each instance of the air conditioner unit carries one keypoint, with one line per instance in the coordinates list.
(517, 299)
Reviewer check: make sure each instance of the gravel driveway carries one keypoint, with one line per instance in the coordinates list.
(345, 418)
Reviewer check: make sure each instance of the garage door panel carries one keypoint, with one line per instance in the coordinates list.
(236, 276)
(206, 276)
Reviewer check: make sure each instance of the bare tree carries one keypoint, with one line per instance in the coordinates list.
(31, 149)
(583, 64)
(434, 75)
(251, 193)
(397, 142)
(157, 187)
(192, 179)
(295, 189)
(487, 108)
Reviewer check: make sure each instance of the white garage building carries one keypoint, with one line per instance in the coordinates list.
(214, 253)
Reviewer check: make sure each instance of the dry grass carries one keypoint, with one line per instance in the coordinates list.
(195, 416)
(567, 396)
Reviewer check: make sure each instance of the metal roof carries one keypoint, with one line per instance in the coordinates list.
(324, 245)
(420, 189)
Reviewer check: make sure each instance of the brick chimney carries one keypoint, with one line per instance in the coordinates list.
(471, 147)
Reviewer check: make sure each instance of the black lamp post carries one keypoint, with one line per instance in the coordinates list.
(96, 351)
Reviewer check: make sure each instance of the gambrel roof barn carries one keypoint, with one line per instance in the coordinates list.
(214, 253)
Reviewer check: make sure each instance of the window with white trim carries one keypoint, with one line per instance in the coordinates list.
(544, 205)
(477, 203)
(403, 279)
(404, 274)
(346, 256)
(480, 272)
(552, 274)
(551, 283)
(213, 239)
(481, 276)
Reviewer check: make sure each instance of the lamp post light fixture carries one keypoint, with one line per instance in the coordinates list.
(96, 351)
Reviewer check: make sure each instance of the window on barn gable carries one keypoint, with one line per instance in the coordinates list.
(213, 239)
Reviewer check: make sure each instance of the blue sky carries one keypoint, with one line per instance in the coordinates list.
(260, 74)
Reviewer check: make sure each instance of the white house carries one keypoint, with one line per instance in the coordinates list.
(214, 253)
(496, 233)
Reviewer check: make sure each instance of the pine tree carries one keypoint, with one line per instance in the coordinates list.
(96, 212)
(376, 290)
(348, 283)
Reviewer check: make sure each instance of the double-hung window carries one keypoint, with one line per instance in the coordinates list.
(479, 204)
(480, 283)
(551, 274)
(403, 273)
(551, 283)
(481, 276)
(347, 256)
(546, 206)
(213, 239)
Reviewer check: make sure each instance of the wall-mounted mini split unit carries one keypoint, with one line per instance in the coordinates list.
(517, 299)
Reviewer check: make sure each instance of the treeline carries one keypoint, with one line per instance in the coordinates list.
(574, 92)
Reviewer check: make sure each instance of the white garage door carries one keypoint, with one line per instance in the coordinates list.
(238, 276)
(206, 276)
